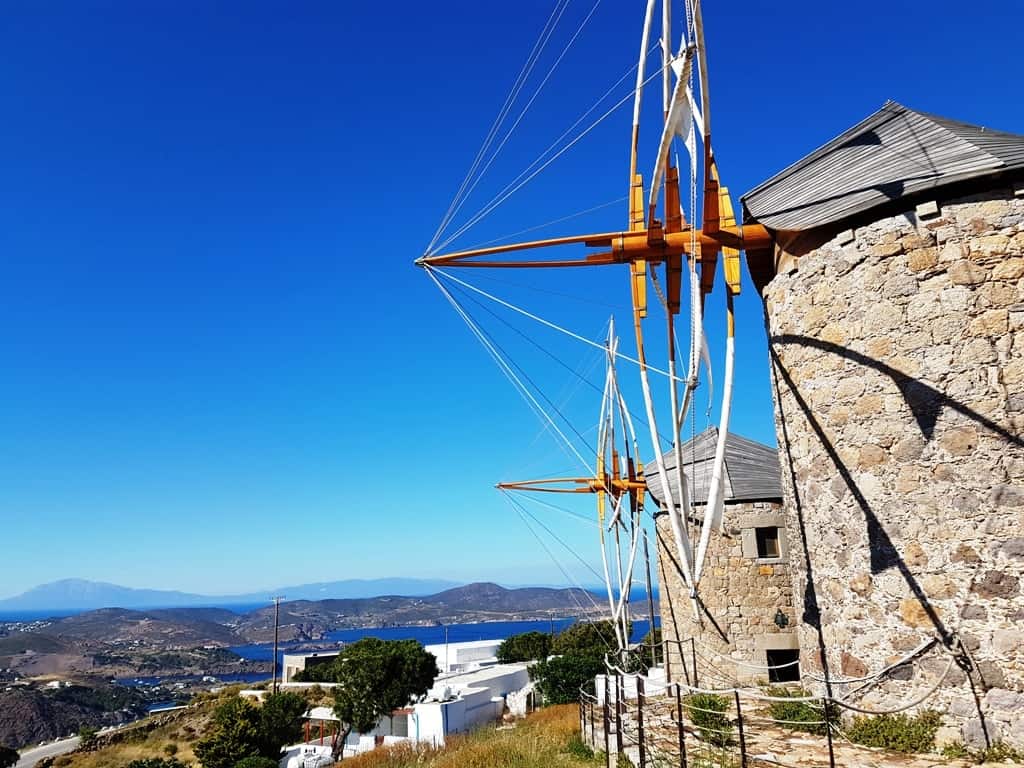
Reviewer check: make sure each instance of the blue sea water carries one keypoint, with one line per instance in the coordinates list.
(457, 633)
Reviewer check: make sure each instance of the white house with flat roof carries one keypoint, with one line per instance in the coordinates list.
(458, 702)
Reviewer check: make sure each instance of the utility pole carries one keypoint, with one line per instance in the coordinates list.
(445, 649)
(277, 623)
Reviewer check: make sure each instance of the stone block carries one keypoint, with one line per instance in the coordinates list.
(922, 259)
(913, 613)
(989, 245)
(1009, 642)
(1010, 269)
(967, 273)
(959, 441)
(996, 583)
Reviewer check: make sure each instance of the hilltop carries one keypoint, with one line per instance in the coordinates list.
(68, 595)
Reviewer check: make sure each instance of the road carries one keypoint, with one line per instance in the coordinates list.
(32, 756)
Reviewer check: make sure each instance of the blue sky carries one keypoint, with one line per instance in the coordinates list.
(221, 370)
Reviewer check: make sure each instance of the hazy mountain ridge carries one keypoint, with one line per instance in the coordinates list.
(85, 595)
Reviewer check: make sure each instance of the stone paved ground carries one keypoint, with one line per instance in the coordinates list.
(767, 745)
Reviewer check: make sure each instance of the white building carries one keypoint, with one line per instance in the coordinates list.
(457, 703)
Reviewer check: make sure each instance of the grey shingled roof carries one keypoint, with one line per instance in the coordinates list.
(891, 154)
(751, 469)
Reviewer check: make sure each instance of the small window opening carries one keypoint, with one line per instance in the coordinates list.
(783, 666)
(767, 542)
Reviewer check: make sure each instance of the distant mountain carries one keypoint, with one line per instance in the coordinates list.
(82, 595)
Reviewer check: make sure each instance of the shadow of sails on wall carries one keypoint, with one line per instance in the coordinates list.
(747, 620)
(894, 302)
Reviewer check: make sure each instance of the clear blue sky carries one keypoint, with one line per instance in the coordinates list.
(221, 371)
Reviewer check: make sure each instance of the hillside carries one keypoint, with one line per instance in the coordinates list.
(545, 739)
(83, 595)
(470, 603)
(29, 715)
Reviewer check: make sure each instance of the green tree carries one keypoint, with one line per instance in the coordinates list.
(8, 757)
(242, 729)
(586, 636)
(560, 678)
(280, 722)
(234, 735)
(527, 646)
(376, 677)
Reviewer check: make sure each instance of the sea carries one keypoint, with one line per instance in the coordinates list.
(432, 635)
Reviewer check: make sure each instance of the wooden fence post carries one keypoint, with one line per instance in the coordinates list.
(680, 726)
(739, 720)
(607, 739)
(618, 714)
(640, 719)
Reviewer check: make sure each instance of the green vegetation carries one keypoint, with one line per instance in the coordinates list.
(87, 735)
(548, 738)
(900, 732)
(998, 752)
(800, 715)
(586, 636)
(8, 757)
(157, 762)
(242, 729)
(375, 677)
(528, 646)
(707, 712)
(560, 678)
(256, 762)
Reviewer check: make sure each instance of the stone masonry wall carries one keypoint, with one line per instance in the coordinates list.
(898, 367)
(740, 593)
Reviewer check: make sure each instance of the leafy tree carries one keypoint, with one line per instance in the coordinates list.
(157, 762)
(235, 734)
(376, 677)
(256, 762)
(560, 678)
(524, 647)
(8, 757)
(586, 636)
(242, 729)
(280, 722)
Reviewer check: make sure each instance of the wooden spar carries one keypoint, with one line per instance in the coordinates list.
(602, 483)
(624, 247)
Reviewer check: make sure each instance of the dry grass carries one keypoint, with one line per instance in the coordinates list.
(540, 741)
(183, 733)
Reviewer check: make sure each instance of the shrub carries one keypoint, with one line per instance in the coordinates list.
(256, 762)
(157, 762)
(170, 749)
(578, 749)
(527, 646)
(707, 713)
(800, 715)
(997, 752)
(899, 732)
(87, 735)
(560, 678)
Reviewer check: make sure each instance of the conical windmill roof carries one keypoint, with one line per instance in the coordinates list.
(751, 469)
(894, 153)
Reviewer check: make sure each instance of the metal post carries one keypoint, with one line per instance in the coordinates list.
(680, 726)
(604, 715)
(739, 721)
(618, 713)
(650, 604)
(640, 719)
(277, 623)
(828, 733)
(693, 654)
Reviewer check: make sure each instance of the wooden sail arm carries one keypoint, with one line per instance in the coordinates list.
(623, 247)
(576, 485)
